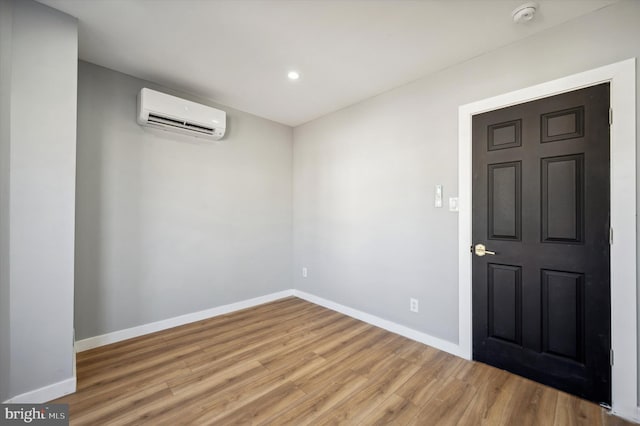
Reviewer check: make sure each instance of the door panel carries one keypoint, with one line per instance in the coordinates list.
(561, 193)
(505, 303)
(562, 314)
(562, 125)
(541, 304)
(505, 192)
(505, 135)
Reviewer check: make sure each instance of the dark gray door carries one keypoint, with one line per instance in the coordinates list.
(541, 303)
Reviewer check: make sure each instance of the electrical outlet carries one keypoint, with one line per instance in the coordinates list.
(304, 272)
(413, 305)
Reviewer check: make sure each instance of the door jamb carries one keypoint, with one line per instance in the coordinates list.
(624, 322)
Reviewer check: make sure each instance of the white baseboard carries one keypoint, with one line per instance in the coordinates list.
(391, 326)
(117, 336)
(631, 415)
(68, 386)
(46, 393)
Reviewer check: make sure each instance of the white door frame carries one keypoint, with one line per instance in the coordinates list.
(622, 77)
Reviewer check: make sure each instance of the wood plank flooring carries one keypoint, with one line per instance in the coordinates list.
(293, 362)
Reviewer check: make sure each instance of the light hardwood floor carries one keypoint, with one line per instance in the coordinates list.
(293, 362)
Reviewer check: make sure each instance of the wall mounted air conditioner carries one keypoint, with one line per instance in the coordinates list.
(166, 112)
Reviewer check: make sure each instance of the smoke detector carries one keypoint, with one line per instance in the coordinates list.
(524, 12)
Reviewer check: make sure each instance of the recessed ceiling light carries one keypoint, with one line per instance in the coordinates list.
(293, 75)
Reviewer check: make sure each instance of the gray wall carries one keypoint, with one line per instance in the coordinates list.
(364, 220)
(168, 224)
(6, 18)
(42, 131)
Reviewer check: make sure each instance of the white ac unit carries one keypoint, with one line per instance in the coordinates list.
(166, 112)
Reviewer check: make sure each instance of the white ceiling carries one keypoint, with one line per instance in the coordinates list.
(238, 52)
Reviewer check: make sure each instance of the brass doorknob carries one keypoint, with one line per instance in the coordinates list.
(481, 250)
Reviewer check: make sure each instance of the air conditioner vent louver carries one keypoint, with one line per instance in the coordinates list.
(179, 115)
(166, 121)
(198, 128)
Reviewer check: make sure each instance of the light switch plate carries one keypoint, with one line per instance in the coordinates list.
(453, 204)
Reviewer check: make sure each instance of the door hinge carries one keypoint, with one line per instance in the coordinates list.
(610, 116)
(610, 236)
(610, 356)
